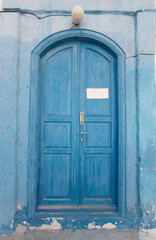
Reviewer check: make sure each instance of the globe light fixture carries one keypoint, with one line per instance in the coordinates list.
(77, 15)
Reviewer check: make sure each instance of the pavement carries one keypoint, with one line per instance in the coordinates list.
(22, 234)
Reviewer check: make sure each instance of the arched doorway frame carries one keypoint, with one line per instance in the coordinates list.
(114, 49)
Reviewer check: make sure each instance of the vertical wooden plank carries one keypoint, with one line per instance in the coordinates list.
(74, 127)
(81, 127)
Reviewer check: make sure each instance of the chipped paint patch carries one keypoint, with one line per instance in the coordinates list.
(25, 223)
(12, 224)
(50, 218)
(19, 207)
(53, 226)
(153, 206)
(93, 226)
(109, 226)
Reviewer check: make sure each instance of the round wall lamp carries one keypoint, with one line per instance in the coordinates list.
(77, 15)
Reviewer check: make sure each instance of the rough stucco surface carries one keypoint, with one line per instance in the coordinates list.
(19, 35)
(87, 5)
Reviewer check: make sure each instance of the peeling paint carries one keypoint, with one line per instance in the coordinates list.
(19, 207)
(53, 226)
(25, 223)
(153, 206)
(93, 226)
(109, 226)
(50, 218)
(12, 224)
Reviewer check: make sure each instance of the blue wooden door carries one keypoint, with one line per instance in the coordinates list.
(77, 129)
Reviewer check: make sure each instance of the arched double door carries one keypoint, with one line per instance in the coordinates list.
(77, 129)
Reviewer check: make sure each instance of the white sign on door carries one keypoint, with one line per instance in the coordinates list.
(97, 93)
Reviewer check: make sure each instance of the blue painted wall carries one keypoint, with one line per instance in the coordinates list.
(134, 32)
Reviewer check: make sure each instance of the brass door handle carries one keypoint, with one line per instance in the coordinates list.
(81, 118)
(84, 133)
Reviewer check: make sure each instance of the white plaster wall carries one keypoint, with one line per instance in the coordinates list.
(88, 5)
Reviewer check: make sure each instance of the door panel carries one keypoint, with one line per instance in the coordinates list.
(98, 135)
(58, 83)
(77, 163)
(57, 183)
(97, 179)
(57, 135)
(97, 74)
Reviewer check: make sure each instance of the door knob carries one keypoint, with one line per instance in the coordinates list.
(84, 133)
